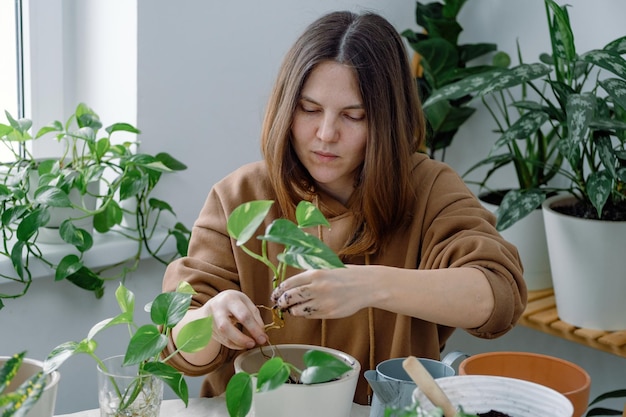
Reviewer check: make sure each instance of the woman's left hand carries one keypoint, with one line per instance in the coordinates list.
(324, 293)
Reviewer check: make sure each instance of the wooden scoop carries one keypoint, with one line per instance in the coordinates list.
(428, 386)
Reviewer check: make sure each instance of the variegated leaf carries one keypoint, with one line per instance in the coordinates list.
(616, 88)
(607, 60)
(599, 189)
(516, 76)
(468, 85)
(618, 45)
(516, 205)
(524, 127)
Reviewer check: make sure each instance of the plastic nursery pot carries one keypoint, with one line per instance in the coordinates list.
(328, 399)
(45, 405)
(511, 396)
(558, 374)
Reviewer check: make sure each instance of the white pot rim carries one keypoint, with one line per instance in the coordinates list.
(53, 377)
(350, 360)
(554, 201)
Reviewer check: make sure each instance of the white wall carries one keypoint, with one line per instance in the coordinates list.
(204, 71)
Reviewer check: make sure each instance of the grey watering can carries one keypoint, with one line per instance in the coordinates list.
(393, 387)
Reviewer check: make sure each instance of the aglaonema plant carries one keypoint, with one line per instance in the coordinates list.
(146, 342)
(302, 251)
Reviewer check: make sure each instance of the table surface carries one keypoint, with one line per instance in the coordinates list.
(203, 407)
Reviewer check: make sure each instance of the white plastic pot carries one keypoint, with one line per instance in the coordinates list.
(587, 262)
(329, 399)
(515, 397)
(44, 407)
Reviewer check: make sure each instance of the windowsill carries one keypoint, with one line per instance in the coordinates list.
(107, 250)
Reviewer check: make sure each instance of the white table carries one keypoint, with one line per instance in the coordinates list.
(203, 407)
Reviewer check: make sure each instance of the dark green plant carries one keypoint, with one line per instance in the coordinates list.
(31, 189)
(443, 61)
(579, 106)
(595, 410)
(302, 251)
(17, 402)
(147, 341)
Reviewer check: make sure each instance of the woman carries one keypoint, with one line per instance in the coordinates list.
(341, 130)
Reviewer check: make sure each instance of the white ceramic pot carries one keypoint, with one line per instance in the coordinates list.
(515, 397)
(45, 405)
(329, 399)
(587, 262)
(528, 235)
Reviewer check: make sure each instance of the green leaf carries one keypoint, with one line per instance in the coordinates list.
(272, 374)
(516, 205)
(616, 88)
(10, 368)
(173, 378)
(17, 258)
(523, 128)
(239, 395)
(307, 215)
(146, 343)
(170, 162)
(469, 85)
(607, 60)
(125, 299)
(52, 196)
(303, 250)
(106, 219)
(80, 238)
(122, 127)
(64, 351)
(132, 184)
(322, 367)
(160, 205)
(515, 76)
(102, 147)
(87, 279)
(70, 264)
(561, 33)
(195, 335)
(31, 223)
(169, 308)
(245, 220)
(26, 395)
(599, 186)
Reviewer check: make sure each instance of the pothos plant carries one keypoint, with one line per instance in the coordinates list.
(147, 341)
(303, 251)
(99, 185)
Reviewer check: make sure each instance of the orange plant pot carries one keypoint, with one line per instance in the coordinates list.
(563, 376)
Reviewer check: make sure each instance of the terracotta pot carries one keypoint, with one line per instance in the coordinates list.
(511, 396)
(558, 374)
(328, 399)
(44, 407)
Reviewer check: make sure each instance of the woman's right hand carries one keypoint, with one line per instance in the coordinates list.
(232, 310)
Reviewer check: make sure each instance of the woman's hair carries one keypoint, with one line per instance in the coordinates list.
(372, 47)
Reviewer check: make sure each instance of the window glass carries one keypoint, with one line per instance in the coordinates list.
(9, 69)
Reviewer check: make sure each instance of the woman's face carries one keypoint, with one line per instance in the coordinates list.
(330, 128)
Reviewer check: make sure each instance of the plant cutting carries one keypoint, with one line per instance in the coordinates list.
(575, 117)
(144, 350)
(440, 60)
(89, 187)
(303, 251)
